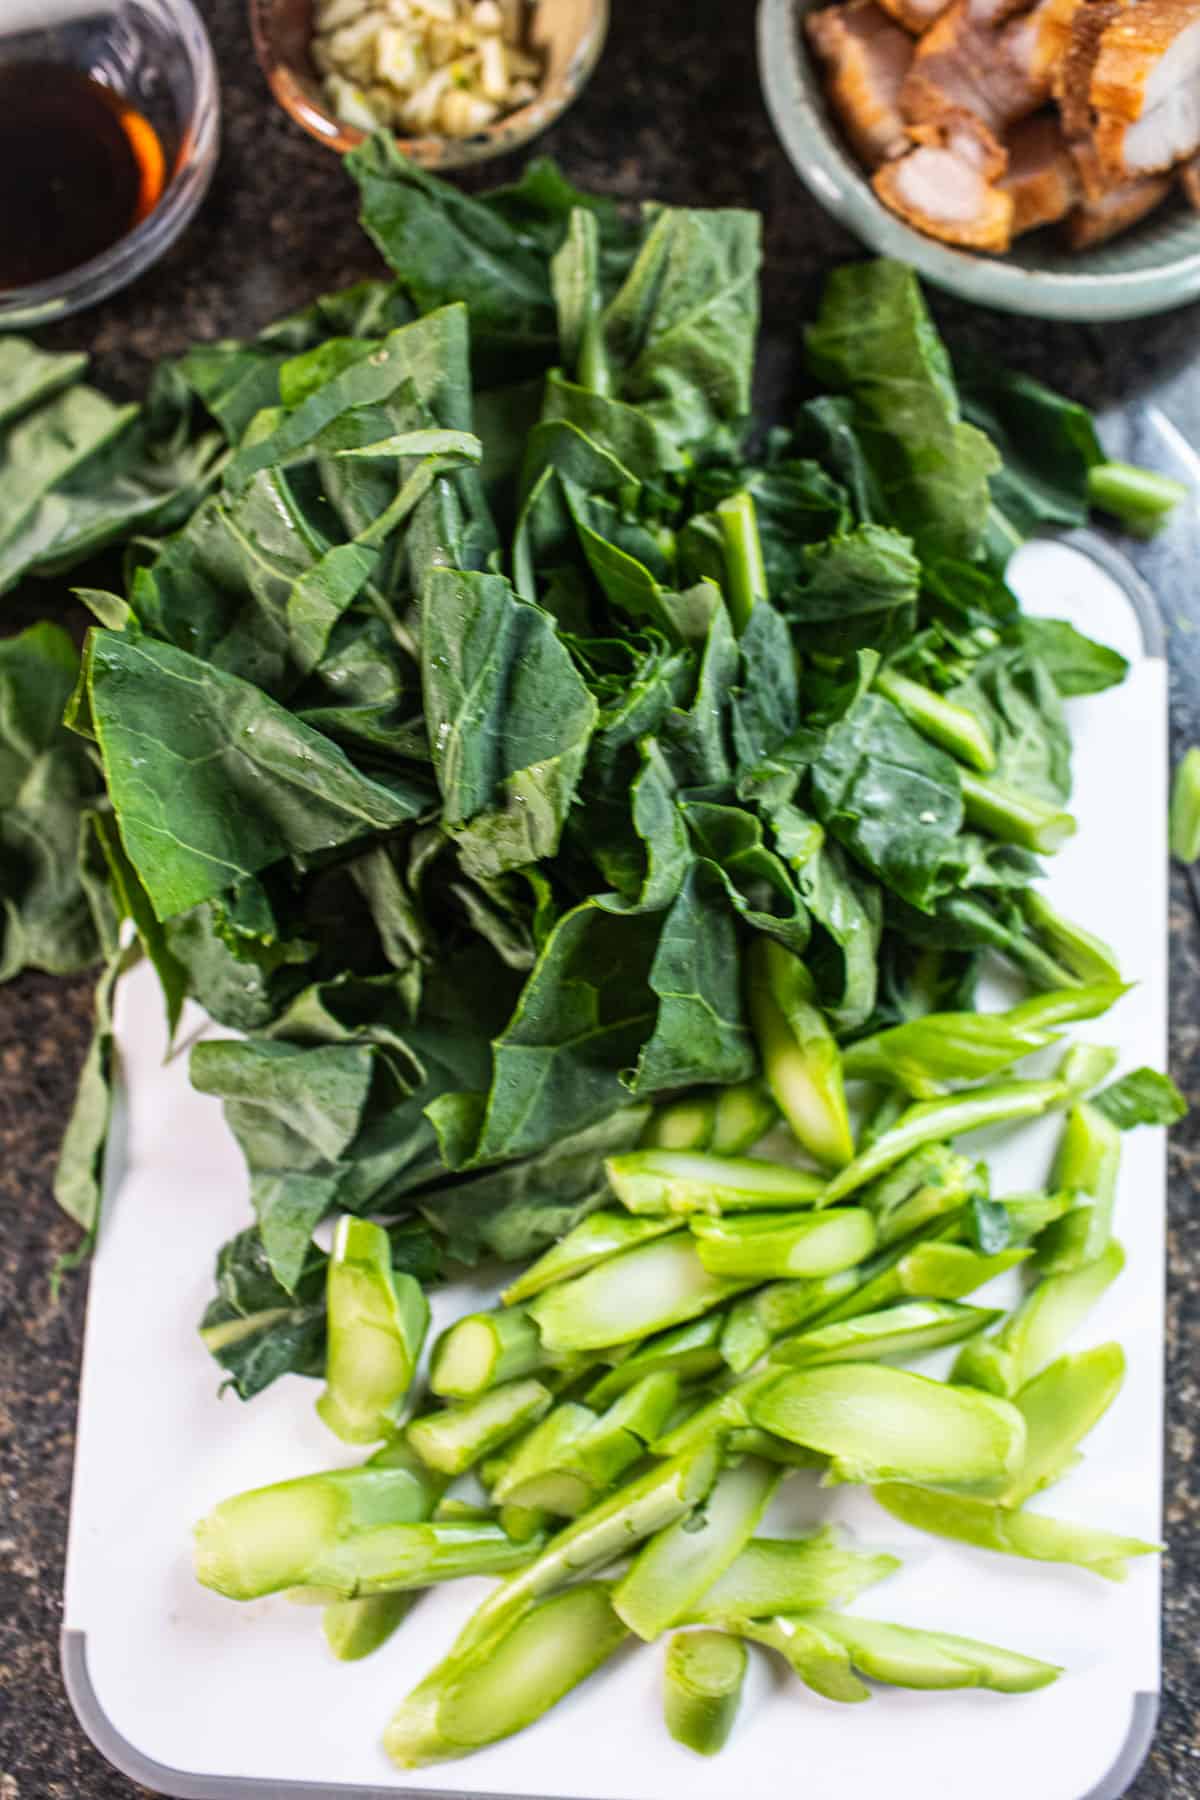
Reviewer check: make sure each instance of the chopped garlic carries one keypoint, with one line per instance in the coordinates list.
(452, 66)
(421, 107)
(397, 58)
(493, 73)
(350, 103)
(461, 114)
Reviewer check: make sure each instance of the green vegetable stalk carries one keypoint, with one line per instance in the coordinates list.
(1080, 952)
(1141, 499)
(687, 1351)
(482, 1351)
(929, 1121)
(924, 1054)
(1032, 1333)
(992, 1526)
(344, 1530)
(953, 727)
(745, 571)
(703, 1676)
(573, 1457)
(801, 1061)
(681, 1124)
(1015, 817)
(679, 1183)
(727, 1121)
(1060, 1406)
(742, 1115)
(1087, 1165)
(881, 1424)
(594, 1240)
(790, 1575)
(476, 1697)
(682, 1561)
(628, 1297)
(456, 1438)
(667, 1491)
(377, 1320)
(768, 1246)
(1185, 807)
(356, 1628)
(904, 1657)
(904, 1330)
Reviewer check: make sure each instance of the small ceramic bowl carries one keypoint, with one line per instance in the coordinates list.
(156, 55)
(568, 34)
(1146, 270)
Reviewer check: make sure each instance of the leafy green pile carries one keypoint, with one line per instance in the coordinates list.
(468, 712)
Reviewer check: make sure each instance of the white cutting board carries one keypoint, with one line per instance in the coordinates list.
(194, 1695)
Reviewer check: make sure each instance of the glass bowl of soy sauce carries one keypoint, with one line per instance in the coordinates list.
(109, 121)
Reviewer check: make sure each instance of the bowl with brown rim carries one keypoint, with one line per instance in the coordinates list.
(567, 35)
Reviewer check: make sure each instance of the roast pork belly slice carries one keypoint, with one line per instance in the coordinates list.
(866, 58)
(1165, 135)
(1041, 176)
(1148, 53)
(946, 186)
(1038, 41)
(1189, 181)
(1095, 221)
(1000, 75)
(1073, 78)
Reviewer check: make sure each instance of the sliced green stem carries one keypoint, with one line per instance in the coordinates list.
(482, 1351)
(929, 1121)
(679, 1183)
(682, 1561)
(687, 1351)
(745, 570)
(471, 1700)
(904, 1330)
(1141, 499)
(377, 1320)
(625, 1299)
(769, 1246)
(1185, 807)
(939, 719)
(594, 1240)
(788, 1575)
(456, 1438)
(1087, 1164)
(1060, 1406)
(1033, 1332)
(882, 1424)
(703, 1679)
(800, 1058)
(1013, 816)
(990, 1526)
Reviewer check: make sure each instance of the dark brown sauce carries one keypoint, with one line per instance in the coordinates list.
(78, 169)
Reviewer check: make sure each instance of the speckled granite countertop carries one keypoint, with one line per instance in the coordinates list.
(674, 111)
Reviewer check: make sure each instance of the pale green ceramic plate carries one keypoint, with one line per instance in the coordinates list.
(1147, 270)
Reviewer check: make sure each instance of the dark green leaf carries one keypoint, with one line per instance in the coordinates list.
(509, 719)
(517, 1211)
(1143, 1097)
(79, 1177)
(211, 780)
(47, 784)
(874, 339)
(1076, 664)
